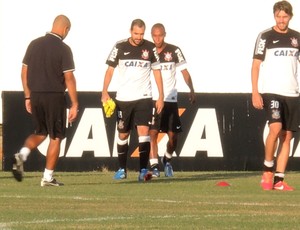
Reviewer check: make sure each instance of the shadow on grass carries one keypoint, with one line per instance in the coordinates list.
(199, 176)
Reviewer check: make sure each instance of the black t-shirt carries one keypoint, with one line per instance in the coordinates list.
(47, 58)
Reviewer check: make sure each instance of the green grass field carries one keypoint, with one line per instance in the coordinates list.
(190, 200)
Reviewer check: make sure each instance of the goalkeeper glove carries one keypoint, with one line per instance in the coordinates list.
(109, 107)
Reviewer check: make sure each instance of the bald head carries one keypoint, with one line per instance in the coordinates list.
(61, 26)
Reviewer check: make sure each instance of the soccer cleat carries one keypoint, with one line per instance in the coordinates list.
(145, 175)
(53, 182)
(267, 181)
(282, 186)
(168, 170)
(17, 168)
(120, 174)
(155, 172)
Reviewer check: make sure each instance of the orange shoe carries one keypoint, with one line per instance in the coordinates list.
(267, 181)
(282, 186)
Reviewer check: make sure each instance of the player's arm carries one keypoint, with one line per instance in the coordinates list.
(257, 101)
(72, 91)
(107, 79)
(159, 83)
(26, 88)
(188, 80)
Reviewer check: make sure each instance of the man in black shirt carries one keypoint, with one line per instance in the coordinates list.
(47, 71)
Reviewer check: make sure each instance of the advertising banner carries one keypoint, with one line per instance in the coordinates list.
(221, 131)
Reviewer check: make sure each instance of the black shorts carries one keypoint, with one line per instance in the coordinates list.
(282, 109)
(168, 119)
(133, 113)
(49, 114)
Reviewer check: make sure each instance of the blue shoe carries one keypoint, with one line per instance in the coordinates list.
(168, 170)
(145, 175)
(155, 172)
(120, 174)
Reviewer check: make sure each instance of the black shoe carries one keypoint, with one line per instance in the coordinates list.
(17, 168)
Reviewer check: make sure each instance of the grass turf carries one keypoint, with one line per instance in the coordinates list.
(189, 200)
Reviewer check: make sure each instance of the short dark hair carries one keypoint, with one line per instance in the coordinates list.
(284, 6)
(159, 25)
(137, 22)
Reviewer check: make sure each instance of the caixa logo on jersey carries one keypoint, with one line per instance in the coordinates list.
(91, 135)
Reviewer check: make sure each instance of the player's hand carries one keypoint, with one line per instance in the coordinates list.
(159, 105)
(105, 96)
(109, 107)
(28, 105)
(257, 101)
(73, 113)
(192, 97)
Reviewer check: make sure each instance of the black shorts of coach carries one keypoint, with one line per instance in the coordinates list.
(49, 114)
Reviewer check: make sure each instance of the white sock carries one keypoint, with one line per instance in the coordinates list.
(168, 155)
(24, 152)
(48, 174)
(153, 161)
(269, 163)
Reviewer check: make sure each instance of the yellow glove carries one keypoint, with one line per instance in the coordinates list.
(109, 107)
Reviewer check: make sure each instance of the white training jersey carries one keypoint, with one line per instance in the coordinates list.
(279, 53)
(171, 60)
(135, 64)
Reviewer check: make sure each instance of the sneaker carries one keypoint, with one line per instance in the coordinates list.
(53, 182)
(155, 172)
(267, 181)
(17, 168)
(145, 175)
(120, 174)
(168, 170)
(282, 186)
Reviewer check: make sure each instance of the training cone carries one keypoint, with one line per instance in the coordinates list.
(223, 184)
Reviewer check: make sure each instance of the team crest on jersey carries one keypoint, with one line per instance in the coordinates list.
(145, 54)
(121, 124)
(294, 42)
(168, 56)
(275, 114)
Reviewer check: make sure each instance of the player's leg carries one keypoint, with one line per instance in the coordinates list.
(273, 116)
(154, 164)
(55, 115)
(143, 116)
(124, 111)
(51, 161)
(32, 141)
(172, 125)
(282, 160)
(290, 123)
(19, 158)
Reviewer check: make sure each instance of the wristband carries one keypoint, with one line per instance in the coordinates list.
(27, 98)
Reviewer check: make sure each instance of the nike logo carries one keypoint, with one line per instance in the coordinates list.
(178, 127)
(280, 188)
(275, 41)
(126, 53)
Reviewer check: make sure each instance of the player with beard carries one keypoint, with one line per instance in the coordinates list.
(135, 58)
(275, 89)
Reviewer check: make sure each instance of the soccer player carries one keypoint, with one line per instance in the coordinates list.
(135, 58)
(47, 71)
(168, 121)
(275, 89)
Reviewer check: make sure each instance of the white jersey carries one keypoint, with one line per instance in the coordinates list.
(279, 53)
(171, 60)
(135, 64)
